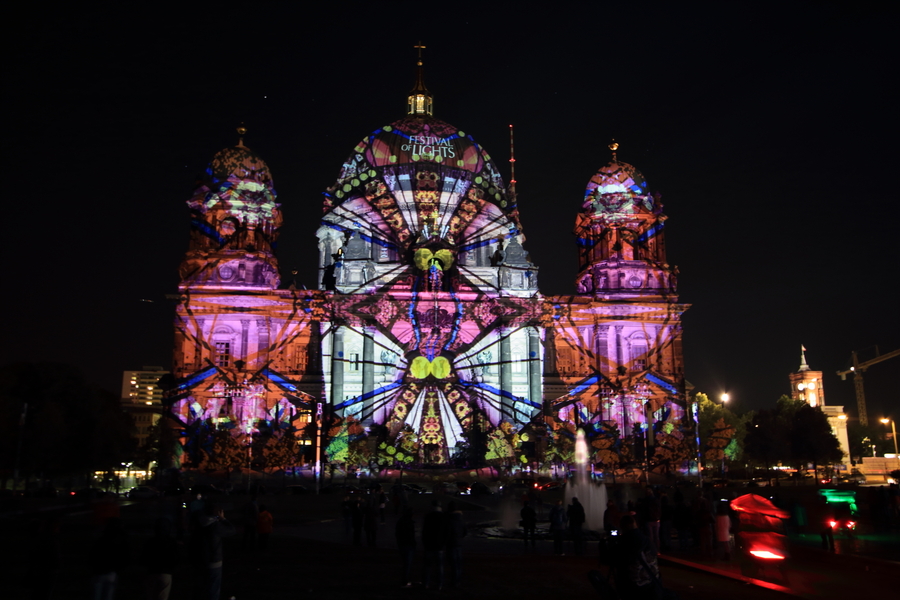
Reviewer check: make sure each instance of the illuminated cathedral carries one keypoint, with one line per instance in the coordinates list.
(428, 331)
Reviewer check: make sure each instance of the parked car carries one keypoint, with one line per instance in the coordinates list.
(143, 492)
(340, 488)
(480, 489)
(207, 489)
(853, 478)
(413, 488)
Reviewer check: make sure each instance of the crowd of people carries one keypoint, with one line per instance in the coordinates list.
(639, 524)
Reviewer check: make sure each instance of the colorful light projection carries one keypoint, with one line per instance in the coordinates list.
(241, 345)
(423, 241)
(428, 332)
(619, 232)
(241, 362)
(422, 187)
(450, 365)
(620, 364)
(234, 224)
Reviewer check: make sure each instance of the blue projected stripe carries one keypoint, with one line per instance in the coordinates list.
(204, 228)
(586, 243)
(412, 312)
(196, 378)
(363, 236)
(280, 381)
(651, 232)
(584, 385)
(502, 393)
(661, 383)
(367, 395)
(456, 322)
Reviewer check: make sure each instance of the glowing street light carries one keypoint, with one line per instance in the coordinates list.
(893, 434)
(724, 398)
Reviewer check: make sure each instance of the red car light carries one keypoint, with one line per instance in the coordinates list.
(832, 524)
(851, 524)
(766, 554)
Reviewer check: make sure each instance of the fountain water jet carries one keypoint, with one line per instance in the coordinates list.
(592, 497)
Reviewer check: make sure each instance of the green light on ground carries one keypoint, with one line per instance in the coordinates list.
(840, 497)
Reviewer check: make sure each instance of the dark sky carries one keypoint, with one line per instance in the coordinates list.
(769, 129)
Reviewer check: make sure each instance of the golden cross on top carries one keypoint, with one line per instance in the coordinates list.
(419, 47)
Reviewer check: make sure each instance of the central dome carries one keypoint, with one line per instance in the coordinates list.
(421, 174)
(425, 143)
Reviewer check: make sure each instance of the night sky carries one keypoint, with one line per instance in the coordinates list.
(769, 129)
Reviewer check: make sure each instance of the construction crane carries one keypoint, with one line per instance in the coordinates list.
(858, 368)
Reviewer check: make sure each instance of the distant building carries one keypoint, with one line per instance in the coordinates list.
(807, 385)
(142, 387)
(142, 399)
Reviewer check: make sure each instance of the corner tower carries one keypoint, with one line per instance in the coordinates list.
(621, 243)
(234, 224)
(245, 357)
(615, 365)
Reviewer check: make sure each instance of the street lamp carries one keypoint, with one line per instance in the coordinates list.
(724, 398)
(893, 434)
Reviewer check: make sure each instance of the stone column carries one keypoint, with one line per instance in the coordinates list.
(368, 372)
(198, 348)
(550, 352)
(535, 377)
(245, 335)
(337, 365)
(619, 358)
(506, 372)
(262, 342)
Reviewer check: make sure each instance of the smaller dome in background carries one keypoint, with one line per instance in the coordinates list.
(238, 162)
(616, 178)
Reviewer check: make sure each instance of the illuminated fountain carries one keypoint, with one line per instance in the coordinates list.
(591, 496)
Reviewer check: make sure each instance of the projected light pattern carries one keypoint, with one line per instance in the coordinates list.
(428, 330)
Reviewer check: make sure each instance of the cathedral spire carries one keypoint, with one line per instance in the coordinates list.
(803, 365)
(420, 100)
(613, 147)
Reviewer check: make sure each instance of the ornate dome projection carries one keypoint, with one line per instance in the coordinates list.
(422, 238)
(616, 191)
(418, 192)
(234, 223)
(238, 163)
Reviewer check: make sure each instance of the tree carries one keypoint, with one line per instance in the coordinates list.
(604, 445)
(673, 446)
(721, 431)
(861, 437)
(561, 446)
(812, 440)
(70, 426)
(793, 433)
(766, 440)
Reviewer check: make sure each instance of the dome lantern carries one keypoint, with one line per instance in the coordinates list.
(420, 102)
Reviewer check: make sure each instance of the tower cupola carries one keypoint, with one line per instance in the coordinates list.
(234, 224)
(620, 236)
